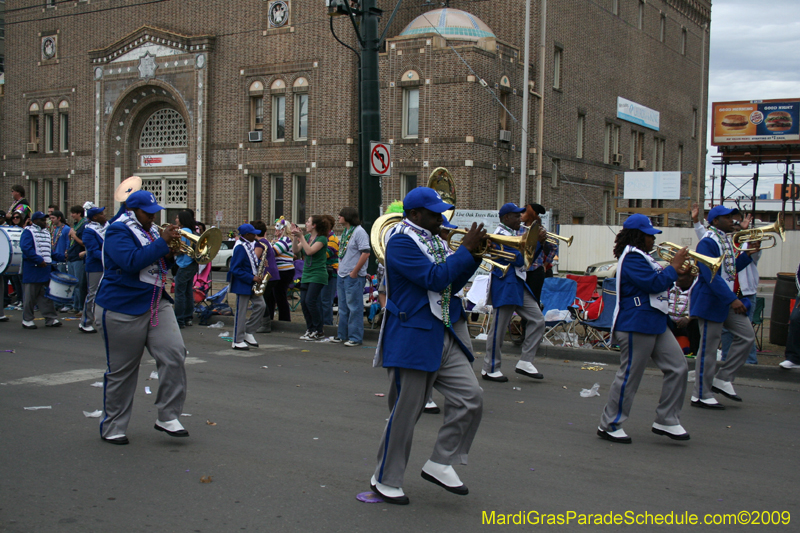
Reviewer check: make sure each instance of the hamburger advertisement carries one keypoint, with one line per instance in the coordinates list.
(756, 122)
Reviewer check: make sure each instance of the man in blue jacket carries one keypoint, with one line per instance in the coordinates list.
(424, 343)
(93, 235)
(509, 293)
(242, 276)
(37, 264)
(715, 303)
(136, 312)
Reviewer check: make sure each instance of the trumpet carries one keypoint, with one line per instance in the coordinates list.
(667, 251)
(553, 238)
(491, 252)
(203, 249)
(753, 235)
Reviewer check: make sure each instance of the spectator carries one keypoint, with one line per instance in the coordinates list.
(16, 277)
(284, 257)
(60, 237)
(353, 253)
(184, 277)
(332, 266)
(75, 254)
(20, 206)
(313, 246)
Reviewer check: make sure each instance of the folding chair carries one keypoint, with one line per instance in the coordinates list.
(202, 283)
(216, 304)
(586, 291)
(294, 288)
(758, 322)
(558, 294)
(599, 330)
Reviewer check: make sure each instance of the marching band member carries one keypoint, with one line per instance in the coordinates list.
(507, 294)
(136, 313)
(640, 330)
(716, 305)
(242, 274)
(60, 237)
(37, 264)
(93, 235)
(421, 281)
(265, 252)
(545, 251)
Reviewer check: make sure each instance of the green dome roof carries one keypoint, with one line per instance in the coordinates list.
(452, 24)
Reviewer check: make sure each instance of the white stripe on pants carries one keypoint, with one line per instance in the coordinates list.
(498, 325)
(126, 337)
(409, 389)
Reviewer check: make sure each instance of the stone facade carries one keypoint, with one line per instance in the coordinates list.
(189, 74)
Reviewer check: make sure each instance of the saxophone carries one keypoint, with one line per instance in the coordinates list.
(261, 271)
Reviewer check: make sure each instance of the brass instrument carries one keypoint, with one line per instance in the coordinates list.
(753, 235)
(203, 249)
(442, 182)
(377, 234)
(553, 238)
(667, 251)
(490, 249)
(127, 187)
(261, 271)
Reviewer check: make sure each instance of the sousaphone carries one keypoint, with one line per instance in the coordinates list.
(442, 182)
(127, 187)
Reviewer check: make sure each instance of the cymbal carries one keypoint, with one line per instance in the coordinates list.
(127, 187)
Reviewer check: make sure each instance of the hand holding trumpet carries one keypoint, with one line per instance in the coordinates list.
(473, 238)
(679, 262)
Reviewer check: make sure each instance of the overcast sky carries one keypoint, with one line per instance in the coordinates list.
(755, 55)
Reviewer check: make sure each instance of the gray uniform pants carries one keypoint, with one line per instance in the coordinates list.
(498, 325)
(409, 389)
(242, 324)
(33, 294)
(635, 350)
(706, 363)
(126, 337)
(92, 283)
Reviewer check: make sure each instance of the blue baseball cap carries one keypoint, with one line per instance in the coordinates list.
(143, 200)
(248, 228)
(37, 215)
(642, 223)
(510, 207)
(720, 211)
(446, 223)
(94, 211)
(427, 198)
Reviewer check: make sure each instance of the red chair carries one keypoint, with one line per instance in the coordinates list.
(202, 283)
(586, 292)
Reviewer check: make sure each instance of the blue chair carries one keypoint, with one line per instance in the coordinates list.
(558, 294)
(599, 330)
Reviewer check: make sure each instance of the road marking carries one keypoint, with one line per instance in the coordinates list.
(73, 376)
(263, 349)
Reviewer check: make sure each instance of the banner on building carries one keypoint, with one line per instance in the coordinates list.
(164, 160)
(756, 122)
(652, 186)
(638, 114)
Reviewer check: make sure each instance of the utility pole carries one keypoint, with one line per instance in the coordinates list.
(369, 187)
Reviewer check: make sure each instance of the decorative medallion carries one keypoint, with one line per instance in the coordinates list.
(200, 61)
(278, 14)
(98, 73)
(147, 66)
(49, 47)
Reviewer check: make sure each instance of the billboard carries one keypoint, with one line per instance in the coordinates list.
(638, 114)
(756, 122)
(652, 186)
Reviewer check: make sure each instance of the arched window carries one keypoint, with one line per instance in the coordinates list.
(256, 94)
(63, 126)
(164, 129)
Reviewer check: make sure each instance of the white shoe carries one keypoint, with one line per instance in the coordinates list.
(788, 365)
(445, 476)
(618, 436)
(28, 324)
(494, 376)
(431, 405)
(67, 309)
(87, 329)
(316, 336)
(725, 386)
(392, 494)
(249, 339)
(306, 336)
(351, 344)
(240, 346)
(674, 432)
(172, 427)
(527, 366)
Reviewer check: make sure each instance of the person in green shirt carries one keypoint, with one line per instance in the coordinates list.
(314, 247)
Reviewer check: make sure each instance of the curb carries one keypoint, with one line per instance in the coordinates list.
(611, 358)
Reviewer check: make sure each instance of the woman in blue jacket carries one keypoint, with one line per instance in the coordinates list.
(640, 330)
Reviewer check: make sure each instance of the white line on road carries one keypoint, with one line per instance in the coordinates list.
(74, 376)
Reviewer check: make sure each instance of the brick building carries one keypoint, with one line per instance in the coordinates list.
(249, 109)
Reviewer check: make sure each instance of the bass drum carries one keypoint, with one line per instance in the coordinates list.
(10, 252)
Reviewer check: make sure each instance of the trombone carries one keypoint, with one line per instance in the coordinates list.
(759, 235)
(203, 249)
(667, 251)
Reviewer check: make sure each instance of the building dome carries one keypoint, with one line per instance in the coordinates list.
(452, 24)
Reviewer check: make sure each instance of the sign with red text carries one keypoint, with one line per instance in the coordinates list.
(164, 160)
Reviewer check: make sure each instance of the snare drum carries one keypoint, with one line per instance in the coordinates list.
(10, 252)
(61, 287)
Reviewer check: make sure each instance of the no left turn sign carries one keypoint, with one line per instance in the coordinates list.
(380, 159)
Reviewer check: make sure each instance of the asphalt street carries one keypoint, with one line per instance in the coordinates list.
(286, 436)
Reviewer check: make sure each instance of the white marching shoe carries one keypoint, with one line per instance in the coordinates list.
(389, 494)
(250, 339)
(674, 432)
(445, 476)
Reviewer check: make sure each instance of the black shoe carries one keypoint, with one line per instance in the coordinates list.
(703, 405)
(487, 377)
(179, 433)
(30, 327)
(607, 436)
(536, 375)
(673, 436)
(121, 441)
(734, 397)
(461, 491)
(432, 410)
(401, 500)
(3, 318)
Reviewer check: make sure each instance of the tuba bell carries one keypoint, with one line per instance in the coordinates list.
(442, 182)
(380, 230)
(203, 249)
